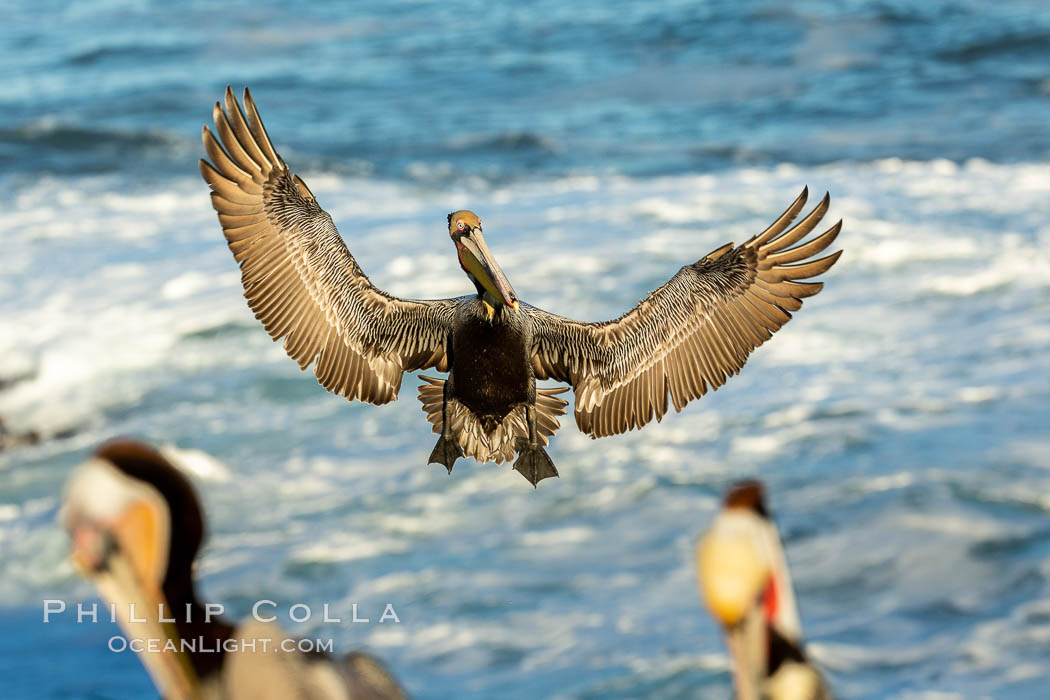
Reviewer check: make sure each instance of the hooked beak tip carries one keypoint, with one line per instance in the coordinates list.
(89, 550)
(81, 563)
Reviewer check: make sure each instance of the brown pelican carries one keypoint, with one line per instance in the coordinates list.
(686, 337)
(744, 580)
(136, 525)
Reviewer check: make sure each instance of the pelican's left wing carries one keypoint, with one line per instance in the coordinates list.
(299, 277)
(689, 335)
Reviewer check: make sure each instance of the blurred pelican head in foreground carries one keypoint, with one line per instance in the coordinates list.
(136, 525)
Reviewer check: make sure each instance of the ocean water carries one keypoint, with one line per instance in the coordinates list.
(899, 422)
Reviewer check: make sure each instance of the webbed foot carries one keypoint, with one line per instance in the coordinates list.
(446, 453)
(533, 462)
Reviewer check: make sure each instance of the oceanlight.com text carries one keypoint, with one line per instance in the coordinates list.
(202, 645)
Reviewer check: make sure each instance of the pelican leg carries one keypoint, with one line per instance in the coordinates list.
(533, 461)
(446, 451)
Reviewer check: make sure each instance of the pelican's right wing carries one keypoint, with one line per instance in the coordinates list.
(299, 277)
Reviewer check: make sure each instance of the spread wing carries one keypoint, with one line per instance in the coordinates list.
(299, 277)
(688, 336)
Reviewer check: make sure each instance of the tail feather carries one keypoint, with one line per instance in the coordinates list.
(496, 445)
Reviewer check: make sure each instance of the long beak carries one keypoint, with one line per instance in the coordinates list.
(478, 261)
(746, 642)
(138, 609)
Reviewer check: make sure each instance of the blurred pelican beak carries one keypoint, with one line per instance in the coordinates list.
(479, 263)
(138, 610)
(124, 555)
(734, 577)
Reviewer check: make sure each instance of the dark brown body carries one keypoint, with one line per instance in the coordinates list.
(492, 372)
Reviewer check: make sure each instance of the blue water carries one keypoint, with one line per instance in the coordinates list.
(899, 421)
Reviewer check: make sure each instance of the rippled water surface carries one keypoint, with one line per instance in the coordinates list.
(899, 421)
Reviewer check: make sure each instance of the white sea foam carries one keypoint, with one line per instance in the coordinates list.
(899, 420)
(198, 463)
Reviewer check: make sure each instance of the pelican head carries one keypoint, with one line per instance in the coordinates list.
(744, 581)
(464, 227)
(135, 525)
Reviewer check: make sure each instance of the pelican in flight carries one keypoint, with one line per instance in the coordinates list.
(685, 338)
(744, 581)
(135, 523)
